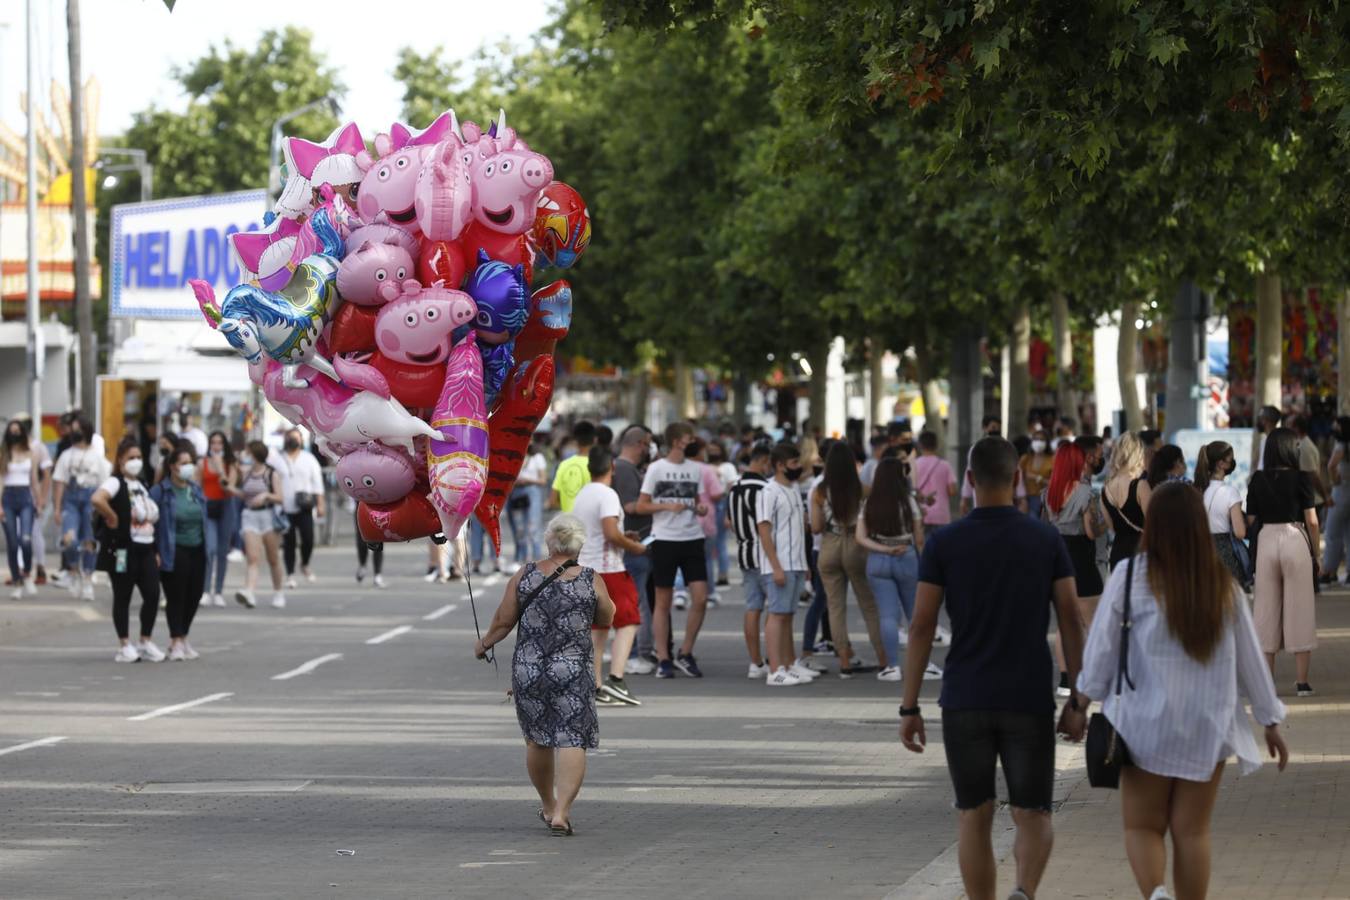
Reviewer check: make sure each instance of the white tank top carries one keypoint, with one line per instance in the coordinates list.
(20, 472)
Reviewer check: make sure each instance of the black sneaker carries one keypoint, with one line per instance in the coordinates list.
(1304, 689)
(603, 699)
(1063, 689)
(664, 669)
(618, 689)
(685, 663)
(722, 581)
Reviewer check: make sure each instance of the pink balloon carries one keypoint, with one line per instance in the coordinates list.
(457, 460)
(415, 326)
(376, 474)
(370, 267)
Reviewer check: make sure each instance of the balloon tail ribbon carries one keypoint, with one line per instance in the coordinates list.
(492, 651)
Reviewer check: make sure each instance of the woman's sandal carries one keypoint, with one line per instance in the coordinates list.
(543, 818)
(560, 830)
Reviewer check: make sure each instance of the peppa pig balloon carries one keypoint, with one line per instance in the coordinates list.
(370, 267)
(390, 185)
(381, 231)
(562, 226)
(508, 180)
(415, 326)
(457, 460)
(376, 474)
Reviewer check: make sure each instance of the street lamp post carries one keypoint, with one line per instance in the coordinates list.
(274, 147)
(139, 164)
(35, 350)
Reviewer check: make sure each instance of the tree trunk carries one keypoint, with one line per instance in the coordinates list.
(819, 360)
(1019, 375)
(1064, 393)
(640, 385)
(926, 364)
(1269, 349)
(876, 384)
(740, 385)
(684, 390)
(1127, 365)
(84, 313)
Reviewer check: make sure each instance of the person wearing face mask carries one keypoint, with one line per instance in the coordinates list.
(80, 469)
(781, 528)
(302, 495)
(219, 481)
(1036, 467)
(21, 505)
(1338, 511)
(261, 494)
(180, 539)
(127, 550)
(1223, 506)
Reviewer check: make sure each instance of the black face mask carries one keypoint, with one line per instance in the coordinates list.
(905, 448)
(13, 438)
(792, 474)
(291, 445)
(1098, 466)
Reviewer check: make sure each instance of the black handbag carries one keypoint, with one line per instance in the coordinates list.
(1105, 751)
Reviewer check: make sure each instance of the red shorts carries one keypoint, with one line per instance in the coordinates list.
(623, 592)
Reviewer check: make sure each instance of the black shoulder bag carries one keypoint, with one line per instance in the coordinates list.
(1106, 751)
(529, 598)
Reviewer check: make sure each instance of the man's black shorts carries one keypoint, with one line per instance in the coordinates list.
(671, 556)
(1023, 742)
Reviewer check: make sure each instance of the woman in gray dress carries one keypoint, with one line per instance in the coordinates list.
(551, 670)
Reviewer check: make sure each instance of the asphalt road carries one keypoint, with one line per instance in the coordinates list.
(358, 720)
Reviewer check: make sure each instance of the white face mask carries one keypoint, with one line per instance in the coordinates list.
(132, 467)
(1038, 446)
(186, 471)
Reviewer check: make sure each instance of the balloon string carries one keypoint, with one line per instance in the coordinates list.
(492, 651)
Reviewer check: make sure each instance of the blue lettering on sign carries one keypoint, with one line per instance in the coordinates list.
(189, 269)
(167, 278)
(135, 260)
(150, 251)
(213, 251)
(230, 269)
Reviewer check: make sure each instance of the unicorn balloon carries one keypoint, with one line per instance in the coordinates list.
(457, 457)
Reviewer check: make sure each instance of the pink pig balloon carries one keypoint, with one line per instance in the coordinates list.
(508, 180)
(376, 474)
(415, 326)
(370, 267)
(390, 184)
(444, 195)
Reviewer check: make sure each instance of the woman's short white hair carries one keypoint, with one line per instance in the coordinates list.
(565, 535)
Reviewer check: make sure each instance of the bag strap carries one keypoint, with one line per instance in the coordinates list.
(529, 598)
(1123, 668)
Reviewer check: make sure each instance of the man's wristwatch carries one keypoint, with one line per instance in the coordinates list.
(908, 711)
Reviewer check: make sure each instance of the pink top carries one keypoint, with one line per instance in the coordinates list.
(932, 478)
(710, 490)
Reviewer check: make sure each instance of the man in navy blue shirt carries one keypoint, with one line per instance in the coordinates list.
(999, 572)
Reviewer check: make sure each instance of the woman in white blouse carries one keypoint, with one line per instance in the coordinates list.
(1193, 653)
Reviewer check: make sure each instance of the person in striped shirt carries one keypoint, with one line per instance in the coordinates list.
(741, 509)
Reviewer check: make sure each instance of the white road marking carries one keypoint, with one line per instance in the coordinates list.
(306, 668)
(178, 707)
(37, 693)
(433, 616)
(513, 862)
(390, 634)
(42, 742)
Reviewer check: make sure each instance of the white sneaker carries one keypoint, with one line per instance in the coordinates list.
(188, 651)
(942, 637)
(149, 651)
(58, 577)
(291, 583)
(904, 637)
(29, 587)
(813, 664)
(681, 600)
(783, 678)
(360, 574)
(605, 657)
(802, 672)
(431, 576)
(311, 577)
(219, 600)
(127, 653)
(75, 584)
(235, 556)
(245, 598)
(1160, 893)
(380, 582)
(17, 593)
(636, 665)
(87, 592)
(177, 654)
(890, 673)
(758, 671)
(932, 673)
(278, 600)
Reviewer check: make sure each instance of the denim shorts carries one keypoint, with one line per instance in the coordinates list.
(754, 590)
(783, 600)
(1025, 744)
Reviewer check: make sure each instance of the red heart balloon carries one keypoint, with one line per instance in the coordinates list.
(408, 519)
(353, 329)
(441, 261)
(416, 387)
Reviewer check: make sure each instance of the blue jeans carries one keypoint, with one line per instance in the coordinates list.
(519, 520)
(477, 536)
(77, 522)
(816, 620)
(894, 580)
(720, 543)
(18, 505)
(640, 568)
(220, 534)
(1338, 531)
(535, 520)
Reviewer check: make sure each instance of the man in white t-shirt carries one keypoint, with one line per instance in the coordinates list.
(781, 550)
(599, 508)
(670, 495)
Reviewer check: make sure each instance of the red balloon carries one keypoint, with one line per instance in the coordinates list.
(353, 329)
(524, 401)
(508, 248)
(441, 261)
(562, 225)
(408, 519)
(550, 317)
(416, 387)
